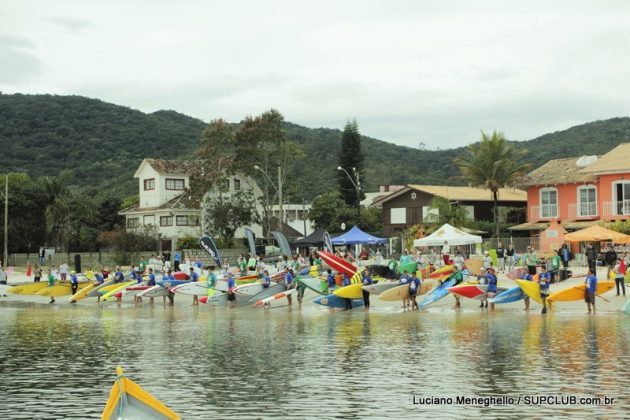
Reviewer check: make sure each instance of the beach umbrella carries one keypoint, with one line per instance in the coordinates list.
(597, 234)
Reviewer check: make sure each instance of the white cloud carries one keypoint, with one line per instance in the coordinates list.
(409, 71)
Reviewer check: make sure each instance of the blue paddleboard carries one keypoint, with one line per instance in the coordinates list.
(171, 283)
(333, 301)
(437, 293)
(626, 307)
(510, 295)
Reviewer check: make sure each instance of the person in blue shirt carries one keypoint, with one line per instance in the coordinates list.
(404, 279)
(591, 289)
(289, 283)
(366, 279)
(118, 275)
(194, 277)
(177, 259)
(331, 281)
(346, 282)
(231, 285)
(414, 287)
(74, 282)
(491, 280)
(170, 295)
(266, 280)
(544, 279)
(528, 277)
(151, 282)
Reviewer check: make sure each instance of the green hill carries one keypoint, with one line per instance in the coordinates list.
(88, 142)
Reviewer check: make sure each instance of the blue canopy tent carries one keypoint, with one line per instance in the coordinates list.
(356, 236)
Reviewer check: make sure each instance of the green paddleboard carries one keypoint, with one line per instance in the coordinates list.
(315, 284)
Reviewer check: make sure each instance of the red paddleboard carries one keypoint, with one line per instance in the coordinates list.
(180, 275)
(469, 291)
(338, 264)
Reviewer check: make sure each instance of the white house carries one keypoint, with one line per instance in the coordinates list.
(164, 202)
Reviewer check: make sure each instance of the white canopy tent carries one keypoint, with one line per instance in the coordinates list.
(450, 234)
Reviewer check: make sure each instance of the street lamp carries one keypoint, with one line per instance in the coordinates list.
(357, 185)
(278, 189)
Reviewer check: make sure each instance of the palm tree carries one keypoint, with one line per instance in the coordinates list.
(492, 163)
(447, 212)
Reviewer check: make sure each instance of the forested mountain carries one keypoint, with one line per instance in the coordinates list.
(88, 142)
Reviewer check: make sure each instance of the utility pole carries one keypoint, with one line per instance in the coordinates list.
(356, 173)
(280, 194)
(304, 214)
(5, 260)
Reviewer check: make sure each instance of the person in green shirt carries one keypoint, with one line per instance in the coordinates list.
(531, 260)
(242, 265)
(458, 277)
(51, 283)
(212, 278)
(142, 265)
(555, 266)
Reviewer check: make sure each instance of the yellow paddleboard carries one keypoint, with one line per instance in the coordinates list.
(28, 288)
(109, 288)
(446, 270)
(574, 293)
(474, 266)
(121, 286)
(352, 291)
(531, 289)
(82, 293)
(402, 291)
(60, 289)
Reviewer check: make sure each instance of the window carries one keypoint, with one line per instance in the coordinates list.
(166, 220)
(149, 220)
(470, 212)
(237, 184)
(398, 215)
(430, 214)
(621, 197)
(133, 222)
(149, 184)
(174, 184)
(587, 201)
(187, 220)
(548, 203)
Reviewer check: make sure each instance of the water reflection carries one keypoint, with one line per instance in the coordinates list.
(209, 362)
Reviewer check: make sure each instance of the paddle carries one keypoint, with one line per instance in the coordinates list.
(599, 296)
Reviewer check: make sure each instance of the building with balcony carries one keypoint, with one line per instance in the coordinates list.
(411, 205)
(578, 192)
(166, 204)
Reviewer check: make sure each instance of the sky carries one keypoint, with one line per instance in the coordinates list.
(410, 72)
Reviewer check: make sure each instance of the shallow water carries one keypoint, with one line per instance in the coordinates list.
(58, 362)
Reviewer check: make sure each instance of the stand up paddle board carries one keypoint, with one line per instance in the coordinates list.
(28, 288)
(272, 290)
(626, 307)
(574, 293)
(380, 287)
(314, 283)
(531, 289)
(352, 291)
(437, 293)
(510, 295)
(332, 301)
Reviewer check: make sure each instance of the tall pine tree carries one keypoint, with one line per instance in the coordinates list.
(350, 157)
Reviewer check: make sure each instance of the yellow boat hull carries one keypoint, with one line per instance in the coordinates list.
(119, 287)
(127, 399)
(531, 289)
(574, 293)
(58, 290)
(28, 288)
(81, 294)
(352, 291)
(402, 291)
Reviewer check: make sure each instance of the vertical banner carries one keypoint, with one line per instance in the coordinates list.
(283, 243)
(208, 244)
(327, 242)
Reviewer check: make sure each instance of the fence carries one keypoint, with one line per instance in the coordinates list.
(113, 258)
